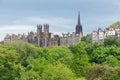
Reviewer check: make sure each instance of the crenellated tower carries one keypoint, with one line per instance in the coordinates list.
(46, 30)
(46, 34)
(39, 30)
(39, 34)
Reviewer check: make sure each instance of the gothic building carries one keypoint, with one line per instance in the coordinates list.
(44, 38)
(79, 27)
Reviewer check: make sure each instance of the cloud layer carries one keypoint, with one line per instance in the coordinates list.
(57, 25)
(22, 16)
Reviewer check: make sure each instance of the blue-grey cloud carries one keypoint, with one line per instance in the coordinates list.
(60, 14)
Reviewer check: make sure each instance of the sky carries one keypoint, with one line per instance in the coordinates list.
(22, 16)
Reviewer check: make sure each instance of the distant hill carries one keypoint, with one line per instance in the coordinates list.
(115, 25)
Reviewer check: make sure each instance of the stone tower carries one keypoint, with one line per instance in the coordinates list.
(46, 30)
(39, 34)
(79, 27)
(39, 30)
(46, 34)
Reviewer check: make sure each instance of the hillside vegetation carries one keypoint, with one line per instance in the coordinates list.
(115, 25)
(83, 61)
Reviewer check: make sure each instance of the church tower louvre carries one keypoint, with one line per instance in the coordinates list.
(79, 27)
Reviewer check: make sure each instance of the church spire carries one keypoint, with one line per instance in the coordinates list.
(78, 18)
(79, 26)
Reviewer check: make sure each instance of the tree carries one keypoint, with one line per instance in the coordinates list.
(40, 65)
(58, 72)
(99, 55)
(24, 50)
(118, 42)
(80, 60)
(115, 24)
(109, 41)
(102, 72)
(9, 63)
(29, 75)
(61, 54)
(112, 61)
(87, 38)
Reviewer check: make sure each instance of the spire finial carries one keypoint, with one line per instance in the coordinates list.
(78, 17)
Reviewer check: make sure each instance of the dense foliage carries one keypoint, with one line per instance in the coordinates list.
(83, 61)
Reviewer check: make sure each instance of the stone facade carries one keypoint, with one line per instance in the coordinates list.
(44, 38)
(13, 37)
(99, 35)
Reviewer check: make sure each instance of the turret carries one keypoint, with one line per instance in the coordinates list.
(46, 34)
(39, 34)
(39, 30)
(46, 28)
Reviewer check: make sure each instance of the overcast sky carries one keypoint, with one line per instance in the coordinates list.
(22, 16)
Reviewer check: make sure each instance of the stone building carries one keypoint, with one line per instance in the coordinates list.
(44, 38)
(13, 37)
(99, 35)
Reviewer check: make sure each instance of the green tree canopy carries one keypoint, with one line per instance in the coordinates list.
(80, 60)
(58, 72)
(115, 24)
(103, 72)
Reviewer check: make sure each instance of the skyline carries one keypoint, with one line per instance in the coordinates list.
(22, 16)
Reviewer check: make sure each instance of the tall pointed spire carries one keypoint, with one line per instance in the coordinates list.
(79, 18)
(79, 26)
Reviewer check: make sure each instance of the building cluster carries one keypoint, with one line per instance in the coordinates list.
(99, 35)
(13, 37)
(44, 38)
